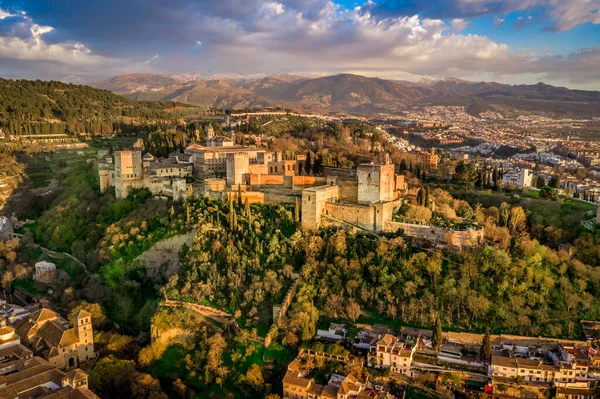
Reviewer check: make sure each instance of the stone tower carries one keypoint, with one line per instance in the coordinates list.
(128, 172)
(210, 132)
(375, 182)
(82, 323)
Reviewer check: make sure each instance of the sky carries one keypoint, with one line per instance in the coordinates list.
(509, 41)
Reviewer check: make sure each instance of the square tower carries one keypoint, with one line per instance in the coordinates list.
(82, 323)
(237, 164)
(375, 182)
(128, 172)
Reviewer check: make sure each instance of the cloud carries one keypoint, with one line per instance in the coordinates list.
(521, 22)
(498, 22)
(154, 58)
(564, 14)
(24, 39)
(571, 13)
(96, 41)
(458, 25)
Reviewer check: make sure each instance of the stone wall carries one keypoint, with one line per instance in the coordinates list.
(348, 190)
(356, 214)
(434, 233)
(307, 180)
(340, 172)
(266, 180)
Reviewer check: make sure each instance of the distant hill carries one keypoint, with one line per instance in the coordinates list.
(358, 94)
(37, 107)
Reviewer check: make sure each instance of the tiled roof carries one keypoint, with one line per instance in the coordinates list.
(81, 313)
(504, 361)
(293, 379)
(386, 340)
(43, 315)
(51, 333)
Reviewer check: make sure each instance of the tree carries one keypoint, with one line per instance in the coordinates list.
(554, 182)
(403, 165)
(145, 386)
(297, 212)
(540, 182)
(179, 387)
(112, 376)
(465, 173)
(436, 339)
(486, 346)
(255, 377)
(549, 193)
(421, 197)
(419, 214)
(353, 310)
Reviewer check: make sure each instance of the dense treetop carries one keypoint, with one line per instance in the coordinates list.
(37, 107)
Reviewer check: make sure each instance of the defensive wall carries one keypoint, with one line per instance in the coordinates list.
(436, 233)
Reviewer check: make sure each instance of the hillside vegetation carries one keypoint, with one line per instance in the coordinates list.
(37, 107)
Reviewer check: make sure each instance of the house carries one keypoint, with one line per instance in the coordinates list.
(575, 393)
(296, 385)
(49, 336)
(36, 378)
(397, 354)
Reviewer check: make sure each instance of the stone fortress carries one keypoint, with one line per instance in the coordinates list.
(365, 198)
(378, 197)
(128, 170)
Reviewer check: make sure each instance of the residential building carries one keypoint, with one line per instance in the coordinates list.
(576, 393)
(518, 177)
(428, 159)
(296, 385)
(37, 378)
(394, 353)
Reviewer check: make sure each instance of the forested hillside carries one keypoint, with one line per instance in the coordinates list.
(37, 107)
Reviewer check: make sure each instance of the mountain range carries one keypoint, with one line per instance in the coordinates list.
(355, 94)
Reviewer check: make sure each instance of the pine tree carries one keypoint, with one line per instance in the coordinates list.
(436, 339)
(486, 347)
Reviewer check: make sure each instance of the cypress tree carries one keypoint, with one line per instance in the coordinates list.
(486, 346)
(297, 212)
(436, 339)
(420, 197)
(403, 165)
